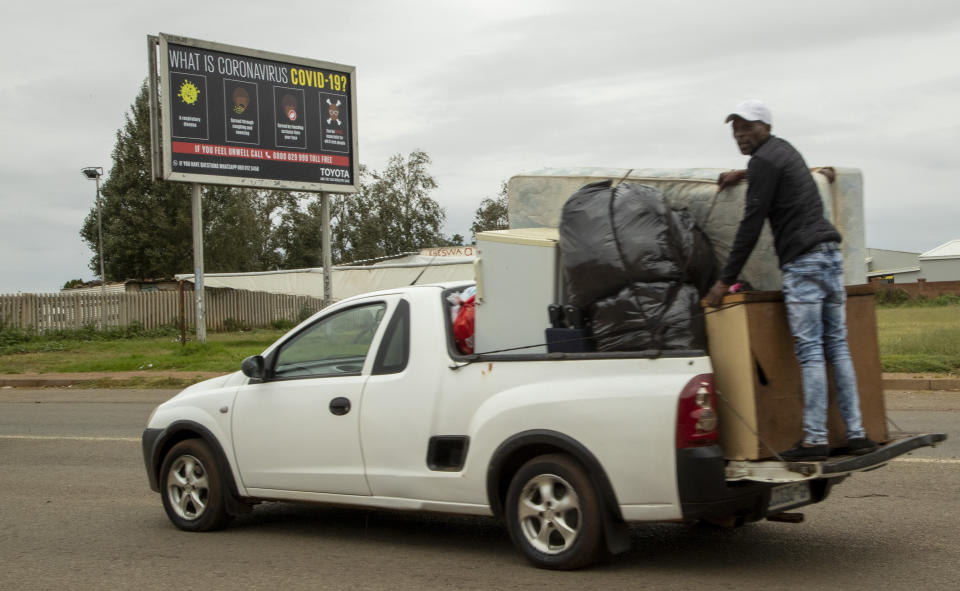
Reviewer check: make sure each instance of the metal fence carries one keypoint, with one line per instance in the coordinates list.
(225, 309)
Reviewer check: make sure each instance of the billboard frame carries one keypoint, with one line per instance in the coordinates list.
(160, 71)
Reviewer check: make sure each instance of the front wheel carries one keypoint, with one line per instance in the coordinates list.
(192, 488)
(553, 513)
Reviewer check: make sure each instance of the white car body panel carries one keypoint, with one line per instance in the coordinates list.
(203, 404)
(285, 436)
(282, 443)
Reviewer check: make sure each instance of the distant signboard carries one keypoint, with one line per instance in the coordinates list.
(243, 117)
(449, 251)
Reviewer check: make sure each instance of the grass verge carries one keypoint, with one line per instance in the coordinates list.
(222, 352)
(171, 383)
(919, 338)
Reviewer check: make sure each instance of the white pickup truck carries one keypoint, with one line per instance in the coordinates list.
(369, 403)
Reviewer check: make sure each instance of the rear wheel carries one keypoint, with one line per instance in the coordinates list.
(192, 488)
(553, 513)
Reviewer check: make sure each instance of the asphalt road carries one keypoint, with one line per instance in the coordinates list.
(76, 513)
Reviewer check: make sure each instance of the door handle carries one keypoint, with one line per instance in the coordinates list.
(340, 406)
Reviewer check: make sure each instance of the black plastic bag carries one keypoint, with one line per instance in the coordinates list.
(649, 316)
(592, 264)
(614, 236)
(700, 265)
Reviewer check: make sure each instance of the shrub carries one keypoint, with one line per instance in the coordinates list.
(305, 312)
(898, 296)
(11, 335)
(947, 299)
(282, 324)
(892, 297)
(234, 325)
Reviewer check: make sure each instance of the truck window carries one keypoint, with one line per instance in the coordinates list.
(336, 345)
(395, 349)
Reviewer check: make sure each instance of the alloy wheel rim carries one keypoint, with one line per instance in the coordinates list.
(549, 513)
(188, 487)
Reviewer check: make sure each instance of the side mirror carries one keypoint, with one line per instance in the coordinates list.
(252, 367)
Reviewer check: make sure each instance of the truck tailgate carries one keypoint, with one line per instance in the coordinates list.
(776, 471)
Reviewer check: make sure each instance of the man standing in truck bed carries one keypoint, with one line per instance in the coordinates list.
(782, 189)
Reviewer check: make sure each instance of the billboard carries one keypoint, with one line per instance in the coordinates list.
(236, 116)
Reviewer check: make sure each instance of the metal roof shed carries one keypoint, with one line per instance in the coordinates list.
(941, 263)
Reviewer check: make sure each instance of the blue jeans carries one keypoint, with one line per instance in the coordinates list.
(815, 298)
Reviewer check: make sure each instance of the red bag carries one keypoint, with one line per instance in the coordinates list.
(463, 326)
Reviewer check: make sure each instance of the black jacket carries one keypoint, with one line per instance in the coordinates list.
(780, 188)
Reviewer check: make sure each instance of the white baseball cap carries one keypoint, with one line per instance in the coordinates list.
(752, 110)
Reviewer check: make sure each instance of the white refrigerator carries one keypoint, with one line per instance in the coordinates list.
(518, 277)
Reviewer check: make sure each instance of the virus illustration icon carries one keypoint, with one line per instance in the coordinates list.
(188, 92)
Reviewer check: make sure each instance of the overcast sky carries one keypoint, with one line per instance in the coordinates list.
(494, 88)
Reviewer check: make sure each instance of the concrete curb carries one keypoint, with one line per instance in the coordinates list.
(64, 380)
(921, 384)
(32, 382)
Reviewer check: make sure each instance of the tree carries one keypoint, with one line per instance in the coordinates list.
(146, 225)
(147, 228)
(239, 229)
(298, 234)
(492, 214)
(391, 214)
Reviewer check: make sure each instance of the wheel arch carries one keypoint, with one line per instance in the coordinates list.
(526, 445)
(157, 449)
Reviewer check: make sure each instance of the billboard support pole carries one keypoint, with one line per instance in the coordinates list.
(325, 246)
(156, 167)
(198, 263)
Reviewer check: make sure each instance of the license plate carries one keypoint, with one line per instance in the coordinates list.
(788, 495)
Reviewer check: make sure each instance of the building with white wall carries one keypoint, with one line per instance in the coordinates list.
(941, 263)
(892, 266)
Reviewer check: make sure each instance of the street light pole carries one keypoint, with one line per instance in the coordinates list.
(94, 173)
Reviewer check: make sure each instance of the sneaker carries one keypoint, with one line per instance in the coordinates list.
(859, 446)
(804, 453)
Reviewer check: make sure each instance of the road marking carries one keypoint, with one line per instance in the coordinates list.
(928, 460)
(68, 438)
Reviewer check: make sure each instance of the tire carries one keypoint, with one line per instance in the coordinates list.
(554, 514)
(192, 488)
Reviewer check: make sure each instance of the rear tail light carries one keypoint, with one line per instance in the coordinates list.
(697, 413)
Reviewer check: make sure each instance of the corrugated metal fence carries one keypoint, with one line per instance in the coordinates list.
(224, 309)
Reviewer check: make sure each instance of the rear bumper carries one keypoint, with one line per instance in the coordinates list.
(711, 487)
(706, 494)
